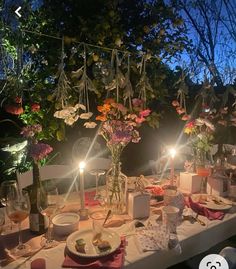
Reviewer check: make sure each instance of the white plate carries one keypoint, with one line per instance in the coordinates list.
(225, 204)
(112, 237)
(214, 206)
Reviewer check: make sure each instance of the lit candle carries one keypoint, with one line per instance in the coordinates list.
(172, 165)
(81, 181)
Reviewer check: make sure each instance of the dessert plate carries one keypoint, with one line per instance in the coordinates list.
(90, 250)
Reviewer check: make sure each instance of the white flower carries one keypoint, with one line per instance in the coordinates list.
(209, 125)
(86, 116)
(90, 124)
(200, 136)
(78, 106)
(65, 112)
(199, 122)
(70, 121)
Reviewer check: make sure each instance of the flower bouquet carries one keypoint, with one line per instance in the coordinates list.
(119, 128)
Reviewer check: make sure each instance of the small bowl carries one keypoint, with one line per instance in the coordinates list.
(65, 223)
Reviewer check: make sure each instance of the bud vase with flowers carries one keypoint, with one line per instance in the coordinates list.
(37, 152)
(200, 133)
(119, 128)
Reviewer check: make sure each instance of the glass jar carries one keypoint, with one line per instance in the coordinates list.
(116, 188)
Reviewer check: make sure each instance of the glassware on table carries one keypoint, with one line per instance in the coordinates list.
(17, 209)
(48, 204)
(2, 221)
(97, 173)
(7, 188)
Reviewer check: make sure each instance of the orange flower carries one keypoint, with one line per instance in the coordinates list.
(109, 101)
(14, 109)
(104, 109)
(101, 118)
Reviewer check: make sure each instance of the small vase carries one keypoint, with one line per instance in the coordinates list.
(116, 188)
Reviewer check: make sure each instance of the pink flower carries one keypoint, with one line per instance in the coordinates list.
(39, 151)
(144, 113)
(139, 120)
(137, 102)
(175, 103)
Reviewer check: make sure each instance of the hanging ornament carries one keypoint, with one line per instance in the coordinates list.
(84, 84)
(63, 88)
(143, 86)
(128, 89)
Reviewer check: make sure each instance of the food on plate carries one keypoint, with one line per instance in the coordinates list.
(103, 245)
(80, 245)
(97, 239)
(155, 190)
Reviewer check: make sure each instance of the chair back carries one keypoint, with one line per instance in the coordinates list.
(98, 163)
(47, 172)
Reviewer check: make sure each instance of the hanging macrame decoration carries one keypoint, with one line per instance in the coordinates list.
(62, 91)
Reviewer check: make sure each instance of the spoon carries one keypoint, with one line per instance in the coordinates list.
(107, 216)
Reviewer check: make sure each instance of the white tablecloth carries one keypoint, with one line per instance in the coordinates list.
(193, 238)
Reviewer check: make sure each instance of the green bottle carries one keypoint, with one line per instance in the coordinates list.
(37, 222)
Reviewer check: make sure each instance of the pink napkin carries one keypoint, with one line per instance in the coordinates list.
(89, 198)
(201, 210)
(114, 260)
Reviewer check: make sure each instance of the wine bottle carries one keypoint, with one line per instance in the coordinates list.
(37, 222)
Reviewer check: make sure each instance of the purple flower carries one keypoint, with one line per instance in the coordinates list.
(31, 130)
(121, 137)
(39, 151)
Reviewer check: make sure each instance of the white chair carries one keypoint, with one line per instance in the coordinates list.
(57, 172)
(98, 163)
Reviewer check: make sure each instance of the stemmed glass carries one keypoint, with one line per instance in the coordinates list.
(17, 209)
(8, 187)
(48, 203)
(97, 173)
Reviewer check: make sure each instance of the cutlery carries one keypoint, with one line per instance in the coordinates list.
(107, 216)
(199, 221)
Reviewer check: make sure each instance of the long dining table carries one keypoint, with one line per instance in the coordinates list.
(193, 239)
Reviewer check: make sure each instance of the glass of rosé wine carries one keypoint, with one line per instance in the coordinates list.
(17, 209)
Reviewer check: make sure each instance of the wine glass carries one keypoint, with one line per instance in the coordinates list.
(97, 173)
(7, 188)
(48, 203)
(17, 209)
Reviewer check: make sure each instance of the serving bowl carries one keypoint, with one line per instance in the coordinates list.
(65, 223)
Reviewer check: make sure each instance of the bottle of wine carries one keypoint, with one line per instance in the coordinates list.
(37, 222)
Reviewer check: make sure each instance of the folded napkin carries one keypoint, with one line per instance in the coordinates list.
(201, 210)
(114, 260)
(89, 198)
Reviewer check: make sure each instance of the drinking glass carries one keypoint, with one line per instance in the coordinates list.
(97, 173)
(17, 209)
(48, 203)
(7, 188)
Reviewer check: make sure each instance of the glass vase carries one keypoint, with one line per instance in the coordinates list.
(116, 188)
(202, 168)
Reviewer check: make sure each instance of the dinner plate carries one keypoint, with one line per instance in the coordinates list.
(90, 250)
(213, 202)
(219, 207)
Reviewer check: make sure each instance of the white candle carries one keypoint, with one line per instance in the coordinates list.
(172, 165)
(81, 181)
